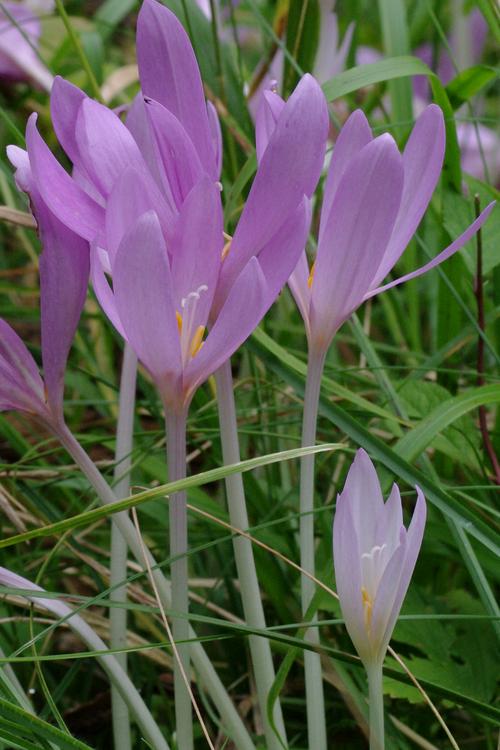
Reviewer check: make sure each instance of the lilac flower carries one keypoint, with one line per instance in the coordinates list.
(374, 557)
(374, 200)
(64, 273)
(19, 39)
(146, 198)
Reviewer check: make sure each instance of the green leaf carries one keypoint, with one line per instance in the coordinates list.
(212, 475)
(420, 437)
(302, 36)
(468, 83)
(396, 42)
(447, 504)
(32, 726)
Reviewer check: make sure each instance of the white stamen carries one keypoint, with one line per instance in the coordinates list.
(190, 325)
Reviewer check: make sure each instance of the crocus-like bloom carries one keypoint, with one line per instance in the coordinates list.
(145, 194)
(19, 38)
(64, 273)
(374, 557)
(374, 200)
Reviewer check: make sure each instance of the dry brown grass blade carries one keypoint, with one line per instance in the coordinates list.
(20, 218)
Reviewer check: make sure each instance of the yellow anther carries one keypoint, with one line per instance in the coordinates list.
(368, 606)
(197, 341)
(311, 275)
(178, 317)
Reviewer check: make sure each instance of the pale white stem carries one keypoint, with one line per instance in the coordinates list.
(119, 549)
(315, 703)
(260, 648)
(209, 678)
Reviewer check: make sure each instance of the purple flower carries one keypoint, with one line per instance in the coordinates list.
(145, 194)
(374, 557)
(64, 273)
(19, 38)
(374, 200)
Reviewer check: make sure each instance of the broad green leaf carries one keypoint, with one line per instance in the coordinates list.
(468, 83)
(420, 437)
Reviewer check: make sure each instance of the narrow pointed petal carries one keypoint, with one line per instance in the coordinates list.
(298, 283)
(133, 195)
(268, 113)
(346, 556)
(385, 607)
(198, 243)
(144, 299)
(281, 254)
(355, 134)
(362, 492)
(442, 256)
(390, 521)
(103, 290)
(354, 239)
(414, 537)
(65, 103)
(289, 169)
(240, 315)
(422, 163)
(72, 206)
(216, 133)
(169, 74)
(137, 122)
(180, 161)
(106, 146)
(64, 274)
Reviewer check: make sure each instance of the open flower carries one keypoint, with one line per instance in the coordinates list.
(374, 200)
(145, 195)
(374, 557)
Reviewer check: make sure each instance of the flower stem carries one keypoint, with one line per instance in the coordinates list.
(209, 678)
(376, 701)
(118, 568)
(260, 648)
(176, 457)
(315, 703)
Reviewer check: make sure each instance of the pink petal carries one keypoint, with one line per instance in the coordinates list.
(362, 492)
(268, 113)
(180, 161)
(196, 261)
(289, 169)
(347, 564)
(355, 134)
(354, 239)
(70, 204)
(422, 162)
(144, 300)
(169, 74)
(442, 256)
(240, 315)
